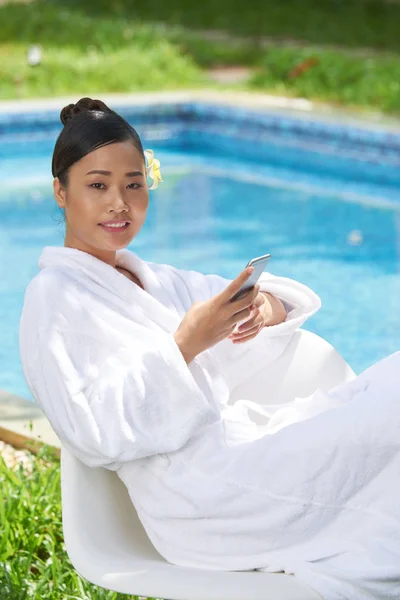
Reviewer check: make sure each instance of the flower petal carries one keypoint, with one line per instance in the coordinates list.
(149, 155)
(153, 169)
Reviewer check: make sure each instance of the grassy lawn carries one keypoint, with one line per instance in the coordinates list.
(351, 23)
(121, 46)
(33, 562)
(331, 76)
(80, 55)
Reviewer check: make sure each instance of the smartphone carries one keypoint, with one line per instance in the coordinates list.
(259, 265)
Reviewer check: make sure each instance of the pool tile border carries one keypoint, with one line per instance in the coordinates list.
(175, 113)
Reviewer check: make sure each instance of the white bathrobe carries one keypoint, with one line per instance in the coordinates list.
(314, 492)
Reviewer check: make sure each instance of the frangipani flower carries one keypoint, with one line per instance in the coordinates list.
(153, 169)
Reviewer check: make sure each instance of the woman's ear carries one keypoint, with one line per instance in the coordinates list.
(59, 192)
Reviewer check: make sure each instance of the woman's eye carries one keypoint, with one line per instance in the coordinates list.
(100, 186)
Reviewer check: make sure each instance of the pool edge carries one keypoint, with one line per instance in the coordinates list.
(24, 425)
(296, 107)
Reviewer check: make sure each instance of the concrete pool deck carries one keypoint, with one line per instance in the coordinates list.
(21, 420)
(297, 107)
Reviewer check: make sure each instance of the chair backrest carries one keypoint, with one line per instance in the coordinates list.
(309, 362)
(101, 529)
(98, 516)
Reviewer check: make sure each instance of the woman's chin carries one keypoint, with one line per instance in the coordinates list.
(115, 242)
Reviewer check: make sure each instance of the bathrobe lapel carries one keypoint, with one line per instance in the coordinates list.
(153, 302)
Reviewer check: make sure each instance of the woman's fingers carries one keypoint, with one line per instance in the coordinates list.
(248, 301)
(252, 325)
(254, 321)
(235, 285)
(255, 316)
(239, 339)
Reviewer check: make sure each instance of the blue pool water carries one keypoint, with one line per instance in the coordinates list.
(329, 216)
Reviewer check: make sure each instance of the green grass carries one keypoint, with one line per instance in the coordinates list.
(80, 56)
(123, 46)
(67, 70)
(33, 561)
(351, 23)
(334, 77)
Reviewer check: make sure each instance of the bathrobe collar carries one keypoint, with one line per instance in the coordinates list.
(154, 299)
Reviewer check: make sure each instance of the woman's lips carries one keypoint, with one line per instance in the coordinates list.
(113, 229)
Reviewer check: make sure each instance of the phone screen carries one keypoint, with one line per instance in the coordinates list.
(259, 265)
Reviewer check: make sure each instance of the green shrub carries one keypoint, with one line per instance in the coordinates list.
(349, 23)
(123, 46)
(333, 76)
(67, 70)
(33, 561)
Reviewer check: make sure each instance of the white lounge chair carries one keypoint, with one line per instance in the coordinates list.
(106, 542)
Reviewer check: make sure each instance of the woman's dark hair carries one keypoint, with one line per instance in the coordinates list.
(88, 125)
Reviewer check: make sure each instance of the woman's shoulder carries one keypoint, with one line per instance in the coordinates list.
(49, 296)
(51, 279)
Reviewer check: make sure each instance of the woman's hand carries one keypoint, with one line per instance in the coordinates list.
(268, 311)
(251, 328)
(207, 323)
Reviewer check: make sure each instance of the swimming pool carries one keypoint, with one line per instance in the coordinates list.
(323, 199)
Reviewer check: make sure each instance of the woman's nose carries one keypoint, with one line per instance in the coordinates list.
(118, 201)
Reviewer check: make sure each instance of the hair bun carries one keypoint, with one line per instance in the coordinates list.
(83, 105)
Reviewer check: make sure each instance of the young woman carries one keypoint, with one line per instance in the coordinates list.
(134, 362)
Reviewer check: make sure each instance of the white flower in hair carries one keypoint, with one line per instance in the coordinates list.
(153, 169)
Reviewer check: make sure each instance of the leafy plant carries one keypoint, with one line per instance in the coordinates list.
(33, 561)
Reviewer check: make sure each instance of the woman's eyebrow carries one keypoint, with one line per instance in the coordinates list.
(134, 174)
(100, 172)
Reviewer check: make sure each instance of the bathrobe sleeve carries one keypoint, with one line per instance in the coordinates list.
(238, 361)
(112, 405)
(111, 402)
(299, 300)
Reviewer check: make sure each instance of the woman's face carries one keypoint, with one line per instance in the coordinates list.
(108, 184)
